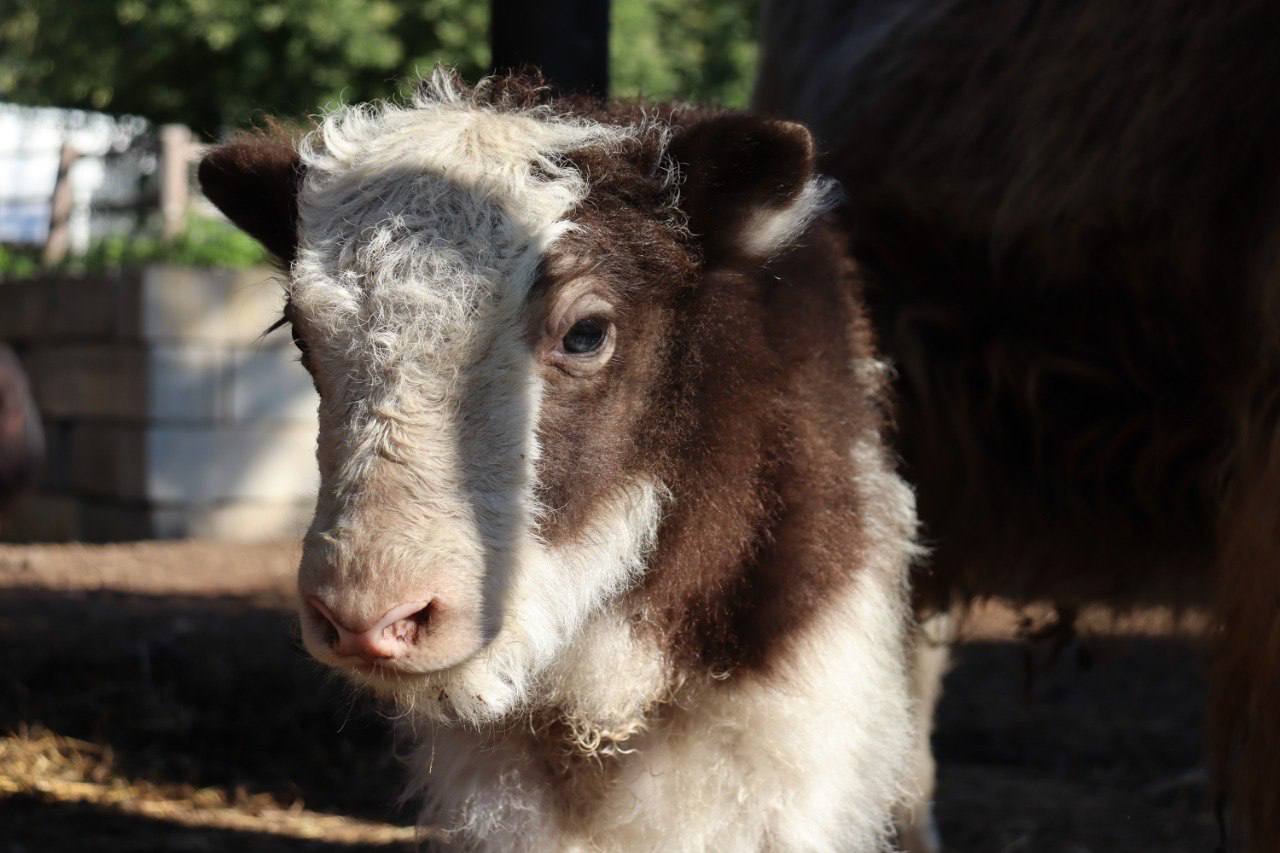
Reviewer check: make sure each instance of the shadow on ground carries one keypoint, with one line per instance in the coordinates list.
(1098, 753)
(185, 692)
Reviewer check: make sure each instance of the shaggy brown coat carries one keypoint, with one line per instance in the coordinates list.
(1070, 215)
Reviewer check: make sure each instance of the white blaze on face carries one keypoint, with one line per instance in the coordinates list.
(421, 229)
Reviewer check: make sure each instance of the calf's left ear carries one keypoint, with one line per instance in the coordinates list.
(254, 180)
(749, 188)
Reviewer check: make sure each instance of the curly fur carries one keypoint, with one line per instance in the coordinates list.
(690, 566)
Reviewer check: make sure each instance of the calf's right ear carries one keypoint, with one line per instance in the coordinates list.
(254, 180)
(749, 186)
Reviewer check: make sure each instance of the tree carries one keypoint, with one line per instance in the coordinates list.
(699, 50)
(215, 64)
(219, 63)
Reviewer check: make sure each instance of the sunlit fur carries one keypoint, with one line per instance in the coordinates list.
(772, 229)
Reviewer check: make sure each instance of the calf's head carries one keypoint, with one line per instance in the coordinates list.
(501, 302)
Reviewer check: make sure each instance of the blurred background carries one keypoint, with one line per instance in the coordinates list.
(152, 693)
(137, 310)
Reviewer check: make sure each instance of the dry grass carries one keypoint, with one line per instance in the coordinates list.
(41, 765)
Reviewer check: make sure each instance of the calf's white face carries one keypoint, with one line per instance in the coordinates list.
(490, 332)
(421, 234)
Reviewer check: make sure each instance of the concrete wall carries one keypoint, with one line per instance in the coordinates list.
(166, 412)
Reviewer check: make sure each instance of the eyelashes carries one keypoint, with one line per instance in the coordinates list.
(286, 320)
(280, 323)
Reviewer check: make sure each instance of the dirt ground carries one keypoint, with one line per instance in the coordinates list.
(153, 697)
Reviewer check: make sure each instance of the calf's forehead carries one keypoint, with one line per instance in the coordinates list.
(425, 214)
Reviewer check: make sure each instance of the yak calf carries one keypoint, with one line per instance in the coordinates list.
(604, 505)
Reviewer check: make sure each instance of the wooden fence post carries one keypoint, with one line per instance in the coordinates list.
(58, 239)
(175, 159)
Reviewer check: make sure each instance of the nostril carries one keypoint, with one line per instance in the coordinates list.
(408, 625)
(394, 635)
(423, 617)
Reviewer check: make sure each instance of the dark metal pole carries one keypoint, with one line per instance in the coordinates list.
(567, 39)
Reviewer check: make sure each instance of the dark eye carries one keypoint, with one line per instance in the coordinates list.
(584, 337)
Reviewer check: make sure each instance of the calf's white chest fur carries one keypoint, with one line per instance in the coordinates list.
(808, 758)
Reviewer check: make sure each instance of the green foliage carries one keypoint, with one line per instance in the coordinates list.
(215, 64)
(205, 243)
(699, 51)
(18, 262)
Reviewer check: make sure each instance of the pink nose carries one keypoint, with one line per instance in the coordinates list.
(393, 636)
